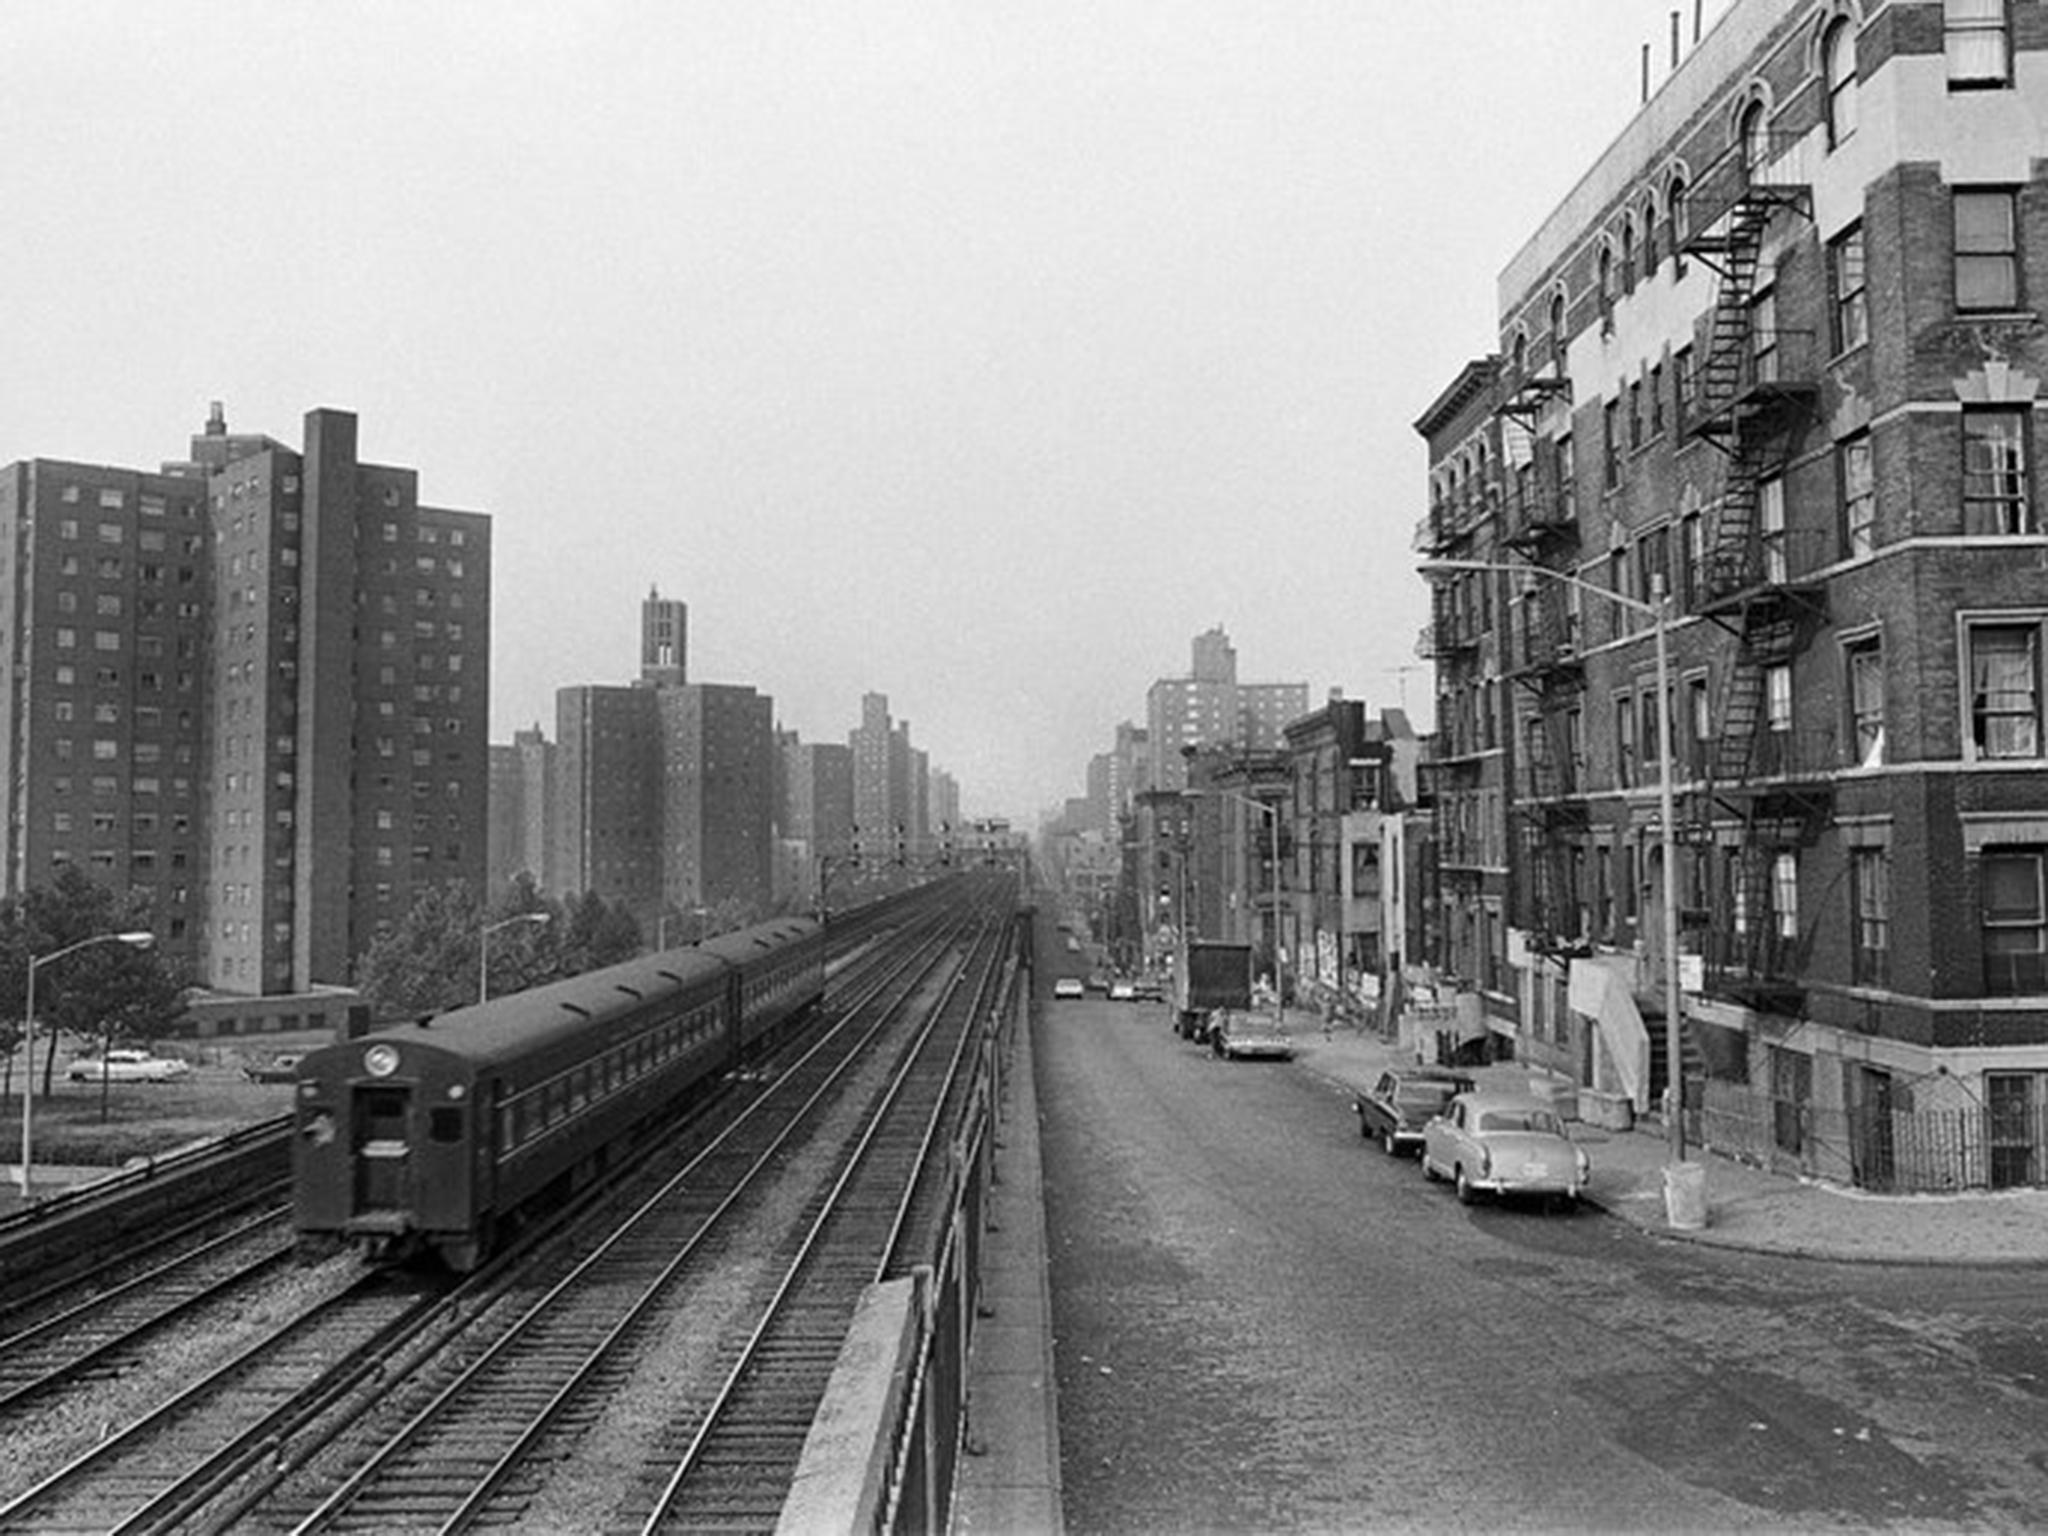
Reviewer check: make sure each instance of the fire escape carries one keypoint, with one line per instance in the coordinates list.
(1548, 808)
(1755, 392)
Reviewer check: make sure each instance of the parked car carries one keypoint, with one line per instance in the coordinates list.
(1068, 986)
(282, 1068)
(1504, 1144)
(1403, 1101)
(1121, 991)
(1234, 1034)
(123, 1065)
(1147, 990)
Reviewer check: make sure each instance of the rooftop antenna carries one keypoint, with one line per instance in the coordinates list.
(1646, 72)
(1674, 40)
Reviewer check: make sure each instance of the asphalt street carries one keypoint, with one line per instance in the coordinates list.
(1264, 1324)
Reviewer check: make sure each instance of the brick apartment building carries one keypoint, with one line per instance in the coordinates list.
(253, 685)
(1770, 369)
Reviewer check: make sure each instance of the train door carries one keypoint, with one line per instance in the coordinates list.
(383, 1147)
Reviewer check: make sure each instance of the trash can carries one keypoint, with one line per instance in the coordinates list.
(1685, 1195)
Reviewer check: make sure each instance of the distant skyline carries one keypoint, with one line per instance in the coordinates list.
(975, 357)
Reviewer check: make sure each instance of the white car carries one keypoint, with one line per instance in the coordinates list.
(1067, 986)
(127, 1066)
(1122, 992)
(1504, 1144)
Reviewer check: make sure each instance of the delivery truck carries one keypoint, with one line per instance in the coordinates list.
(1209, 976)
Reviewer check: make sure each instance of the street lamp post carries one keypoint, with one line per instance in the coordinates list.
(483, 947)
(1659, 615)
(138, 939)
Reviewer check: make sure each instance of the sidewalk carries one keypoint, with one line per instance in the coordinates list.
(1747, 1207)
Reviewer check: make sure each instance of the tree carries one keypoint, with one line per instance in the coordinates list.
(592, 934)
(429, 962)
(103, 992)
(426, 962)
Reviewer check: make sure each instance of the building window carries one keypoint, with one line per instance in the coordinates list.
(1778, 698)
(1611, 418)
(1657, 401)
(1685, 384)
(2005, 690)
(1859, 498)
(1700, 721)
(1557, 333)
(1838, 69)
(1977, 38)
(1995, 473)
(1866, 700)
(1624, 743)
(1785, 893)
(1771, 533)
(1605, 292)
(1846, 281)
(2015, 922)
(1635, 415)
(1870, 883)
(1756, 139)
(1987, 250)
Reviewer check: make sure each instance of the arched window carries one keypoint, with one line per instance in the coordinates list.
(1649, 237)
(1628, 253)
(1755, 138)
(1838, 76)
(1520, 353)
(1557, 335)
(1674, 218)
(1606, 288)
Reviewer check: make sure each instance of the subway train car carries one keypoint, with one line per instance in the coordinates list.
(435, 1137)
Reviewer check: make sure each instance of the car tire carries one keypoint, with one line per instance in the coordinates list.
(1388, 1145)
(1462, 1187)
(1429, 1170)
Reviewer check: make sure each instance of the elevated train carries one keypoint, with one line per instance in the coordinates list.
(433, 1138)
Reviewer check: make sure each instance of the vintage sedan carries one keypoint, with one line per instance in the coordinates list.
(126, 1066)
(1504, 1144)
(1068, 987)
(283, 1068)
(1236, 1034)
(1403, 1101)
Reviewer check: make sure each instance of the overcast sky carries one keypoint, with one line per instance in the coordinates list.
(980, 354)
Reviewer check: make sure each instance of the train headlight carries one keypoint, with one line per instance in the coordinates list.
(381, 1060)
(455, 1090)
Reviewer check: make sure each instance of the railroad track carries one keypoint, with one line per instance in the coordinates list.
(111, 1326)
(729, 1465)
(271, 1437)
(472, 1454)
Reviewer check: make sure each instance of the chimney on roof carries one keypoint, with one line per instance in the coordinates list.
(216, 419)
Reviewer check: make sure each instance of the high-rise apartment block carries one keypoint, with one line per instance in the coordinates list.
(1210, 707)
(1768, 391)
(253, 685)
(522, 812)
(718, 781)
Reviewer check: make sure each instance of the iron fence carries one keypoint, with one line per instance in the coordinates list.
(1886, 1148)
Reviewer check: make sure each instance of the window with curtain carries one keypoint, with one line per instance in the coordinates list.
(1785, 894)
(2014, 921)
(1977, 39)
(1838, 68)
(2005, 690)
(1866, 699)
(1987, 255)
(1995, 497)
